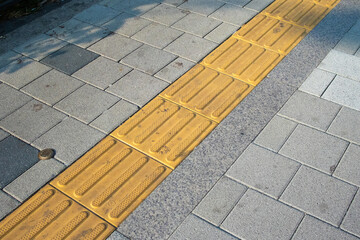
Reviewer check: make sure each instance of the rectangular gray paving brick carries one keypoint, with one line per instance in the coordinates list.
(258, 5)
(351, 221)
(240, 3)
(97, 15)
(10, 100)
(220, 200)
(349, 44)
(349, 166)
(135, 7)
(174, 70)
(204, 7)
(222, 32)
(117, 236)
(233, 14)
(164, 14)
(320, 195)
(7, 204)
(8, 57)
(317, 82)
(3, 134)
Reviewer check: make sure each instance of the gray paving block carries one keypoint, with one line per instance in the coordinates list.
(70, 139)
(137, 87)
(86, 103)
(3, 134)
(157, 35)
(355, 29)
(191, 47)
(351, 221)
(10, 100)
(222, 32)
(31, 121)
(275, 133)
(258, 5)
(221, 199)
(233, 14)
(196, 24)
(114, 116)
(102, 72)
(314, 148)
(135, 7)
(344, 91)
(204, 7)
(349, 44)
(319, 194)
(174, 70)
(78, 33)
(69, 59)
(8, 57)
(22, 71)
(148, 59)
(240, 3)
(259, 217)
(349, 166)
(97, 15)
(174, 2)
(33, 179)
(317, 82)
(310, 110)
(116, 236)
(7, 203)
(164, 14)
(312, 228)
(52, 87)
(16, 157)
(40, 46)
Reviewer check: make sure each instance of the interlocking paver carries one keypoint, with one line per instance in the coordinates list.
(314, 148)
(10, 100)
(22, 71)
(117, 236)
(258, 5)
(70, 139)
(164, 14)
(135, 7)
(222, 32)
(275, 133)
(310, 110)
(191, 47)
(240, 3)
(137, 87)
(97, 15)
(351, 221)
(33, 179)
(319, 194)
(8, 57)
(317, 82)
(157, 35)
(69, 59)
(31, 121)
(220, 200)
(102, 72)
(259, 217)
(3, 134)
(204, 7)
(174, 70)
(148, 59)
(86, 103)
(196, 24)
(349, 44)
(349, 166)
(233, 14)
(7, 204)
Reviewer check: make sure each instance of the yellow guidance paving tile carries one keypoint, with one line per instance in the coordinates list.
(111, 180)
(164, 131)
(242, 60)
(207, 92)
(271, 33)
(50, 214)
(328, 3)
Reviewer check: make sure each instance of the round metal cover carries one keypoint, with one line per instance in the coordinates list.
(46, 154)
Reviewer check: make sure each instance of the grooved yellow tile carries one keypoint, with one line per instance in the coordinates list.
(242, 60)
(50, 214)
(327, 3)
(271, 33)
(164, 131)
(207, 92)
(304, 13)
(111, 180)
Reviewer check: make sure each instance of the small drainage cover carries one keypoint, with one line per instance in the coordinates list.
(46, 154)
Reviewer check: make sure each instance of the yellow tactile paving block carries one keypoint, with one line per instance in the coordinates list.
(165, 131)
(111, 180)
(271, 33)
(242, 60)
(327, 3)
(50, 214)
(207, 92)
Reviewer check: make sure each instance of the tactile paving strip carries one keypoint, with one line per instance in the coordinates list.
(327, 3)
(112, 179)
(50, 214)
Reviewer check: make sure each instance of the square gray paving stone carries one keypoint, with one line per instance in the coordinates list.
(314, 148)
(349, 166)
(351, 221)
(40, 46)
(312, 228)
(310, 110)
(174, 70)
(70, 139)
(157, 35)
(114, 116)
(174, 2)
(115, 46)
(33, 179)
(52, 87)
(3, 134)
(78, 33)
(22, 71)
(204, 7)
(317, 82)
(349, 44)
(191, 47)
(196, 24)
(97, 15)
(275, 133)
(258, 5)
(164, 14)
(196, 228)
(86, 103)
(320, 195)
(135, 7)
(233, 14)
(240, 3)
(137, 87)
(16, 157)
(116, 236)
(148, 59)
(69, 59)
(222, 32)
(8, 57)
(10, 100)
(259, 217)
(31, 120)
(102, 72)
(220, 200)
(7, 203)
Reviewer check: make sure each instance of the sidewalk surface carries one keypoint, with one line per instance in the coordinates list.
(284, 164)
